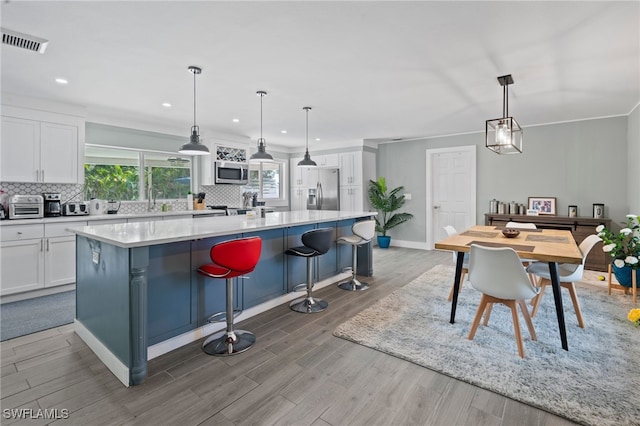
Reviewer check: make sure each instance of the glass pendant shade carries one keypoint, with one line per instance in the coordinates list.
(194, 147)
(504, 135)
(261, 156)
(307, 161)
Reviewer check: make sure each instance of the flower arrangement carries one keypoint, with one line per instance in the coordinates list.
(624, 247)
(634, 316)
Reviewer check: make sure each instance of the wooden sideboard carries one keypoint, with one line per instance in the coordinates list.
(580, 227)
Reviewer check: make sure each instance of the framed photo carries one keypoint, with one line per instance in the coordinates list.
(573, 211)
(544, 205)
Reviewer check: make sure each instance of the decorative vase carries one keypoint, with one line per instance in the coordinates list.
(623, 275)
(384, 241)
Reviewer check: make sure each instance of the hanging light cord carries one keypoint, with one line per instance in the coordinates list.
(307, 109)
(505, 100)
(194, 99)
(261, 139)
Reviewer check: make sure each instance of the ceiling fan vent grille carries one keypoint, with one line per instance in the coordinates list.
(24, 41)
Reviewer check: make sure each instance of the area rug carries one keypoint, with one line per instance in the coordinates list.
(37, 314)
(596, 382)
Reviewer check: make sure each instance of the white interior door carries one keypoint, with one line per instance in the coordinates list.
(451, 190)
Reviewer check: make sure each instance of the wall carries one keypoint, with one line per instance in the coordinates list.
(633, 160)
(579, 163)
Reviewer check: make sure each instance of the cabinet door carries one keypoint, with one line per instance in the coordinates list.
(59, 153)
(346, 168)
(351, 198)
(328, 160)
(296, 172)
(22, 265)
(20, 153)
(298, 199)
(59, 261)
(356, 168)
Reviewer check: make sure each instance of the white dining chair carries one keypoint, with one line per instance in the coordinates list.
(498, 274)
(450, 230)
(524, 225)
(568, 274)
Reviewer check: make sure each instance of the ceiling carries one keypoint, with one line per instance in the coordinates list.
(370, 70)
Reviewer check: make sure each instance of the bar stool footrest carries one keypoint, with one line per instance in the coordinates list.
(301, 287)
(222, 316)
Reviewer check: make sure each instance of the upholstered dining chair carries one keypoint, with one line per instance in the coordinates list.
(450, 230)
(568, 274)
(498, 274)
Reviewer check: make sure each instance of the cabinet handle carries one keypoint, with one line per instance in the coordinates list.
(41, 245)
(47, 244)
(42, 175)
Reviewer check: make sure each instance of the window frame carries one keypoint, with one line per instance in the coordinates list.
(283, 200)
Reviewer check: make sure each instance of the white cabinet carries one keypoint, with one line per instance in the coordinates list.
(298, 198)
(351, 168)
(36, 151)
(301, 179)
(327, 160)
(22, 259)
(351, 198)
(37, 256)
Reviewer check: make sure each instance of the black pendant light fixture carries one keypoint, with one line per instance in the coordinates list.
(194, 147)
(504, 135)
(262, 155)
(307, 161)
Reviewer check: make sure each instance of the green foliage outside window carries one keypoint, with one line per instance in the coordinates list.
(105, 181)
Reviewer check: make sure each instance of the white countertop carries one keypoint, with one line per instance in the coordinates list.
(102, 217)
(140, 234)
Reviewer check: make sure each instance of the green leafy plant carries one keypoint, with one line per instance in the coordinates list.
(387, 203)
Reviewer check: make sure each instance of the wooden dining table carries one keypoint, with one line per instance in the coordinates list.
(545, 245)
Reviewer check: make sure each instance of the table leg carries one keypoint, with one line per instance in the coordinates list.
(555, 285)
(456, 285)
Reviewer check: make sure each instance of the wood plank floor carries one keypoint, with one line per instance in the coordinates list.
(297, 374)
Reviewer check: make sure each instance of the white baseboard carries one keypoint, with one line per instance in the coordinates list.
(409, 244)
(200, 332)
(111, 361)
(36, 293)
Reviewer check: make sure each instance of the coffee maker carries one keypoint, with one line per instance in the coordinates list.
(52, 205)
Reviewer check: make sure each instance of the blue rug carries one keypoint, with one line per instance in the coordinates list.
(37, 314)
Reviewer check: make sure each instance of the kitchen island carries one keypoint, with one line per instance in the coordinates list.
(138, 293)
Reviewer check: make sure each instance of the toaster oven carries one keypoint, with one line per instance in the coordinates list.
(26, 207)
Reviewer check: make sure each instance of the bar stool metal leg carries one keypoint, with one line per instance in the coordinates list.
(230, 341)
(309, 305)
(353, 284)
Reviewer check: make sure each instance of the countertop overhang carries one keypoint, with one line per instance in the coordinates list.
(147, 233)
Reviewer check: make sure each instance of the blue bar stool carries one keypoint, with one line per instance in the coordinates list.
(316, 243)
(363, 232)
(231, 259)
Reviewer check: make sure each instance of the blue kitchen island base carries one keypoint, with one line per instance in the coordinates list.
(138, 298)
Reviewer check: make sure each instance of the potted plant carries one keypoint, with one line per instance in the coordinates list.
(386, 204)
(623, 247)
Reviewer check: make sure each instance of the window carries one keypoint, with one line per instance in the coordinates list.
(115, 173)
(267, 179)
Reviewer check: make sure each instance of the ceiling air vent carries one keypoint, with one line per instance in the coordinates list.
(24, 41)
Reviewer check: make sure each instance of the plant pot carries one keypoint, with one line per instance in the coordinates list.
(623, 275)
(384, 241)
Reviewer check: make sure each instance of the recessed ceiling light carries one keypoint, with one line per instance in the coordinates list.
(317, 139)
(62, 81)
(283, 131)
(236, 120)
(166, 104)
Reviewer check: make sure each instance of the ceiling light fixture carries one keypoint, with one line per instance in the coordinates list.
(307, 161)
(504, 135)
(262, 155)
(166, 104)
(62, 81)
(194, 147)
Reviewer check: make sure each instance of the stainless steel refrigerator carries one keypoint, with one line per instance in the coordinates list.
(325, 194)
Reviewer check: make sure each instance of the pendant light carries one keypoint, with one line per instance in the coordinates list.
(194, 147)
(261, 155)
(504, 135)
(307, 161)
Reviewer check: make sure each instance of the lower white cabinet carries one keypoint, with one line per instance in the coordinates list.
(351, 198)
(37, 256)
(298, 198)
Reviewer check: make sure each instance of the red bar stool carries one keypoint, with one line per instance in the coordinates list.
(231, 259)
(316, 243)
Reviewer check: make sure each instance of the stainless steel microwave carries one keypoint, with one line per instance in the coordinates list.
(230, 172)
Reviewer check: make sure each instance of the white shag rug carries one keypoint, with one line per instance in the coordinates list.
(596, 382)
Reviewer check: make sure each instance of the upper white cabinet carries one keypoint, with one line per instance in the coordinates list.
(351, 168)
(38, 150)
(327, 160)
